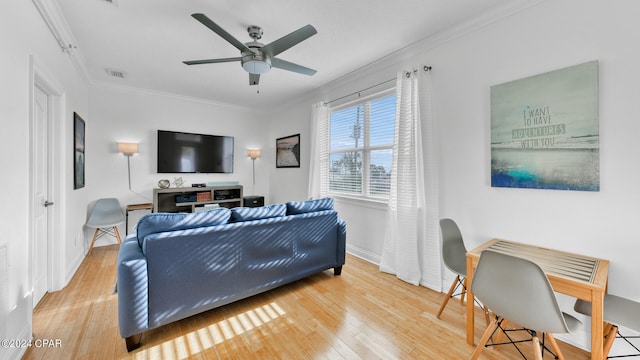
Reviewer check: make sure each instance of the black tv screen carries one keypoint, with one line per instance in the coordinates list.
(180, 152)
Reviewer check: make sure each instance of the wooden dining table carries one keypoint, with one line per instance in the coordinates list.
(582, 277)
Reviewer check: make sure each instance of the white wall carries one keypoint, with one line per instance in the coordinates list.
(545, 37)
(289, 184)
(24, 36)
(130, 115)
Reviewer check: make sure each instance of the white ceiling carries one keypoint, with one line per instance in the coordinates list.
(149, 39)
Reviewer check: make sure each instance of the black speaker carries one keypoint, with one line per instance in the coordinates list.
(253, 201)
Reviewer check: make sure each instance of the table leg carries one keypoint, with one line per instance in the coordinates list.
(470, 302)
(597, 323)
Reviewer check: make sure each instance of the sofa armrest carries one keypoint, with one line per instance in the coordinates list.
(342, 241)
(132, 289)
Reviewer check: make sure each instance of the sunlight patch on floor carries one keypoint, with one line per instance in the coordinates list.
(208, 337)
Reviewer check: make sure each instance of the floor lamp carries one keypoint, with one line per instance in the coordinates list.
(128, 149)
(254, 154)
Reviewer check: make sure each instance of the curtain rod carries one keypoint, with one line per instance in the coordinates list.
(425, 68)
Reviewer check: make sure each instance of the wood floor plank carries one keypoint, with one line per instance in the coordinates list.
(362, 314)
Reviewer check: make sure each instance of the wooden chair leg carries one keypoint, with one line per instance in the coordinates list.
(95, 236)
(464, 291)
(487, 315)
(115, 231)
(483, 341)
(500, 336)
(554, 345)
(608, 340)
(537, 351)
(446, 299)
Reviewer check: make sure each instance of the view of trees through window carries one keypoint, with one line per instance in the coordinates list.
(360, 148)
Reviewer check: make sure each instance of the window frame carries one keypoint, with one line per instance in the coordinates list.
(365, 149)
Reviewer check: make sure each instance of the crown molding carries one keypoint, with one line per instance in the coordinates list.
(59, 28)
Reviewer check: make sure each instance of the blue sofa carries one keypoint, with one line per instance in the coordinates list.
(179, 265)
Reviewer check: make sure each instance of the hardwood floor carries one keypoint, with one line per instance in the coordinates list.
(362, 314)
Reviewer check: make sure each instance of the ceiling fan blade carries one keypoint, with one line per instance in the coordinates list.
(211, 61)
(285, 65)
(254, 79)
(276, 47)
(220, 31)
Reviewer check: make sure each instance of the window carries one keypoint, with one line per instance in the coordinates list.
(361, 147)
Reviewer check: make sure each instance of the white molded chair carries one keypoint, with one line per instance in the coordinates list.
(618, 311)
(105, 218)
(518, 291)
(454, 255)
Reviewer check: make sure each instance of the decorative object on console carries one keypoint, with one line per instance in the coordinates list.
(164, 184)
(223, 183)
(178, 182)
(254, 154)
(288, 151)
(78, 151)
(128, 149)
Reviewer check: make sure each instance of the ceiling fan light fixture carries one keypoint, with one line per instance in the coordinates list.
(256, 66)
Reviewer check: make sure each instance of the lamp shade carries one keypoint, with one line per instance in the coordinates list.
(127, 148)
(254, 153)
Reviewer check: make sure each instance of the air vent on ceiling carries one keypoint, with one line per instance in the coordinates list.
(116, 73)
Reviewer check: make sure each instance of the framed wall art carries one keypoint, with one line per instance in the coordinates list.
(78, 152)
(544, 131)
(288, 151)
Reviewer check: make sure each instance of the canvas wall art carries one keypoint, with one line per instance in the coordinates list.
(544, 131)
(288, 151)
(78, 151)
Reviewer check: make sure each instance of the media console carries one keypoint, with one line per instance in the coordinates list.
(193, 199)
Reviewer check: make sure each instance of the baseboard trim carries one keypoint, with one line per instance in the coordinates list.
(363, 254)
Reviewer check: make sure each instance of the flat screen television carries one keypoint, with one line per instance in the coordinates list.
(180, 152)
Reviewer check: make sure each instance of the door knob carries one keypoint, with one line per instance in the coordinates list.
(47, 203)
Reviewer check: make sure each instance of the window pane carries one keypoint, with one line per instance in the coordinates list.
(383, 116)
(345, 172)
(347, 127)
(380, 172)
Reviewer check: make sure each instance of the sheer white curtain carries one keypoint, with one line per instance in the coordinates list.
(319, 163)
(412, 238)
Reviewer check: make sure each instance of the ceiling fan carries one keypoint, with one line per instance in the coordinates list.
(257, 58)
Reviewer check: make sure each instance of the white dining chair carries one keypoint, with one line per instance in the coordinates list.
(518, 291)
(618, 311)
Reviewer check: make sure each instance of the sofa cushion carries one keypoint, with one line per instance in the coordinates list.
(256, 213)
(161, 222)
(302, 207)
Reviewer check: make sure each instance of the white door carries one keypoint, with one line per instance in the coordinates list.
(40, 181)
